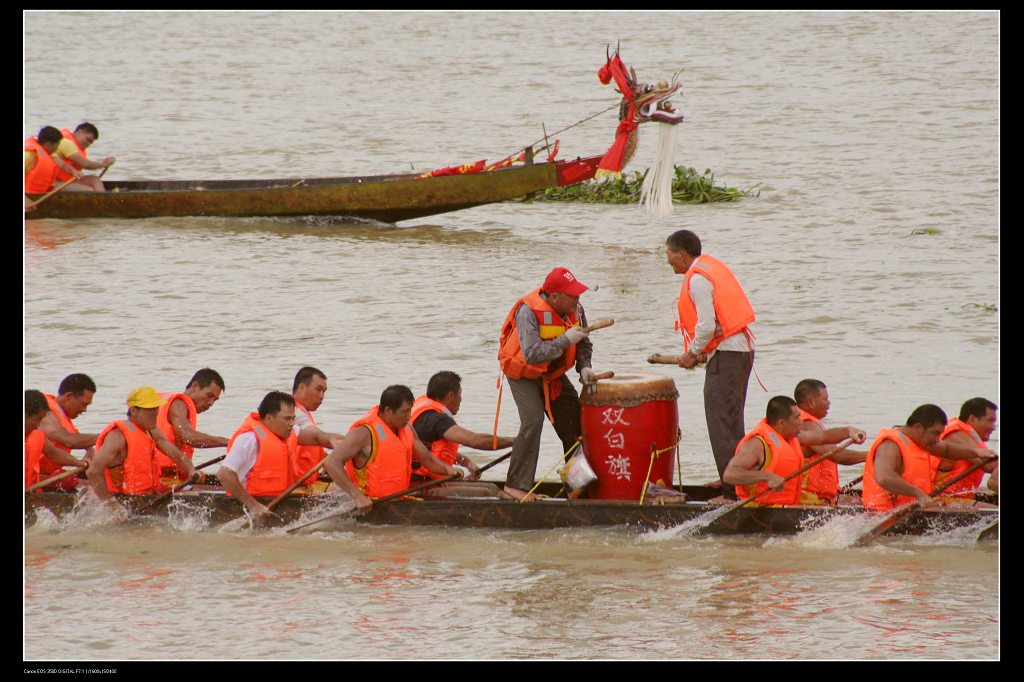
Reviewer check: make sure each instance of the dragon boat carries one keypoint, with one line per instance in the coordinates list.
(382, 198)
(215, 507)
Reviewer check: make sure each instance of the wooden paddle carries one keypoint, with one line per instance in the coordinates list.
(809, 464)
(408, 491)
(600, 324)
(277, 500)
(898, 515)
(53, 191)
(989, 532)
(195, 477)
(848, 488)
(53, 479)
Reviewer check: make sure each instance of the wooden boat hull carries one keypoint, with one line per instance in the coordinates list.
(215, 507)
(384, 198)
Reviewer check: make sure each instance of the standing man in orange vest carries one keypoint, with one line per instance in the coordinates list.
(262, 459)
(541, 340)
(375, 457)
(433, 419)
(177, 419)
(74, 395)
(309, 390)
(902, 461)
(774, 449)
(972, 428)
(36, 443)
(125, 459)
(821, 484)
(714, 318)
(42, 166)
(71, 150)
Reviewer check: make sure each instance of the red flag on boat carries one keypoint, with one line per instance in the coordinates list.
(611, 163)
(464, 169)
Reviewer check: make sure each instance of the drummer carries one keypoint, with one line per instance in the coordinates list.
(773, 450)
(541, 339)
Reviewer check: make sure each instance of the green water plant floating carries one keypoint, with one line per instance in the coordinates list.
(688, 187)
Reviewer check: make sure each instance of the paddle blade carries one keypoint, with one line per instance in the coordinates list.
(893, 518)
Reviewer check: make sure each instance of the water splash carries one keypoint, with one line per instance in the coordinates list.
(689, 528)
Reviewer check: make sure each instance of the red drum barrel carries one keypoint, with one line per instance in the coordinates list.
(623, 421)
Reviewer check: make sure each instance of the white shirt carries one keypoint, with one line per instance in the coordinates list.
(702, 293)
(241, 458)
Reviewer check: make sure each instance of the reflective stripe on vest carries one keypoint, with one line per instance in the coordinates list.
(276, 461)
(138, 474)
(444, 450)
(918, 469)
(40, 179)
(552, 325)
(389, 467)
(308, 454)
(782, 458)
(732, 307)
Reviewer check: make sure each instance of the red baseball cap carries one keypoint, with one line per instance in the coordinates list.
(560, 280)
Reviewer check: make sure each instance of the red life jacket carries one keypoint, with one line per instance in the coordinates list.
(40, 179)
(68, 135)
(732, 308)
(163, 422)
(918, 469)
(823, 478)
(444, 450)
(309, 454)
(275, 468)
(389, 468)
(782, 457)
(138, 474)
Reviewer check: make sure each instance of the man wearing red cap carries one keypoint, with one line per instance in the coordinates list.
(541, 340)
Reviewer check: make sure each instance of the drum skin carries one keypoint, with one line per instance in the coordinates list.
(623, 421)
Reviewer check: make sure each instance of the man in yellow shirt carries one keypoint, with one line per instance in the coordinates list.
(72, 150)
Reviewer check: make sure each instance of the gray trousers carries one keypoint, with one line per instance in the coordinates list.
(529, 397)
(725, 394)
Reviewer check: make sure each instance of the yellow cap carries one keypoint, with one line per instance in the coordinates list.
(145, 397)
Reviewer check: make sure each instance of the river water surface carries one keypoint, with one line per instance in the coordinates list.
(871, 256)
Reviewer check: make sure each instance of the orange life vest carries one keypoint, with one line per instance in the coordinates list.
(308, 454)
(444, 450)
(732, 308)
(33, 454)
(47, 466)
(389, 468)
(40, 179)
(163, 422)
(918, 469)
(823, 478)
(965, 486)
(276, 463)
(782, 457)
(138, 474)
(68, 135)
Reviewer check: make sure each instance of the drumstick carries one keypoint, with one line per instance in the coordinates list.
(663, 359)
(592, 386)
(600, 324)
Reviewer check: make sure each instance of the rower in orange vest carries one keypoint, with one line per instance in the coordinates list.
(72, 150)
(36, 443)
(772, 451)
(262, 458)
(375, 457)
(177, 419)
(309, 390)
(821, 484)
(74, 395)
(972, 428)
(902, 461)
(433, 419)
(42, 166)
(125, 459)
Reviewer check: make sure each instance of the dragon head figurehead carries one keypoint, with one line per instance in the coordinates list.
(641, 103)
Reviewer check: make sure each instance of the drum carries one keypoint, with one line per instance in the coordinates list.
(624, 419)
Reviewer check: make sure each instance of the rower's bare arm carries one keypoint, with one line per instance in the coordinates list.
(831, 436)
(313, 435)
(425, 457)
(847, 457)
(58, 434)
(178, 416)
(229, 479)
(60, 456)
(888, 466)
(111, 454)
(172, 451)
(356, 446)
(745, 467)
(953, 448)
(477, 441)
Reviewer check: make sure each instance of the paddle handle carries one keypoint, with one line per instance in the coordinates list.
(963, 474)
(600, 324)
(53, 191)
(53, 479)
(299, 481)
